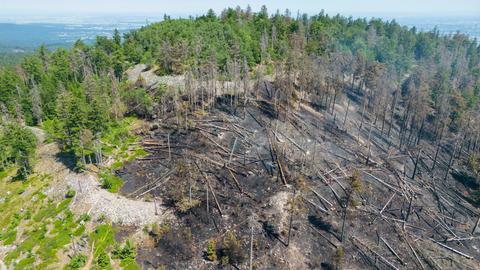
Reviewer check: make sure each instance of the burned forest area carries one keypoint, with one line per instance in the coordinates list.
(271, 177)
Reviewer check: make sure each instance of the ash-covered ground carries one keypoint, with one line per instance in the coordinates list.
(269, 184)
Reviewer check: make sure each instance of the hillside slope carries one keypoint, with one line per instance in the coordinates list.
(245, 141)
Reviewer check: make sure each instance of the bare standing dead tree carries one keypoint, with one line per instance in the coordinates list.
(36, 102)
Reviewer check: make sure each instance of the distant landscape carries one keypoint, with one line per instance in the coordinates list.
(19, 34)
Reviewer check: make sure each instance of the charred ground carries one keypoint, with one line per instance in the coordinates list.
(286, 186)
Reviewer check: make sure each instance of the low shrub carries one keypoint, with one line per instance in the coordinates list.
(77, 261)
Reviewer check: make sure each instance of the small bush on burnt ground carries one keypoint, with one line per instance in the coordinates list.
(158, 230)
(128, 251)
(211, 252)
(339, 258)
(174, 192)
(231, 250)
(177, 192)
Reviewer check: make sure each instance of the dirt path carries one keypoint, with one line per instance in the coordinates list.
(98, 202)
(90, 197)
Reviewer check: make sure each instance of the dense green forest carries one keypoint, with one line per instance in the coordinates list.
(78, 95)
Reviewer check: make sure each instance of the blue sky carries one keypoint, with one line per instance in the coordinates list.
(195, 7)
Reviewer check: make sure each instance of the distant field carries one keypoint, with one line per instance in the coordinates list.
(19, 39)
(20, 34)
(447, 25)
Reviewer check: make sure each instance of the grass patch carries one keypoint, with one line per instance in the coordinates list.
(16, 206)
(79, 231)
(8, 237)
(25, 263)
(129, 264)
(111, 182)
(103, 261)
(117, 165)
(13, 200)
(77, 262)
(103, 237)
(40, 227)
(52, 227)
(106, 247)
(137, 153)
(126, 254)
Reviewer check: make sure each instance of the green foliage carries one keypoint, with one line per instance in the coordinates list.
(111, 182)
(77, 262)
(70, 193)
(84, 217)
(231, 250)
(128, 251)
(138, 102)
(339, 259)
(25, 263)
(159, 230)
(129, 264)
(10, 235)
(53, 129)
(211, 250)
(38, 242)
(104, 237)
(103, 261)
(356, 182)
(118, 136)
(102, 218)
(126, 255)
(17, 147)
(473, 164)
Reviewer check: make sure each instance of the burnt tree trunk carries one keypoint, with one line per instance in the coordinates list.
(346, 112)
(436, 155)
(450, 162)
(416, 164)
(392, 113)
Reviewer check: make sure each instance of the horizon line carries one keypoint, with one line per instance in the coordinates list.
(180, 14)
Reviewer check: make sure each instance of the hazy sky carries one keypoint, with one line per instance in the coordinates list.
(194, 7)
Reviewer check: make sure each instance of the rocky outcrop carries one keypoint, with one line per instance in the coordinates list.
(145, 76)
